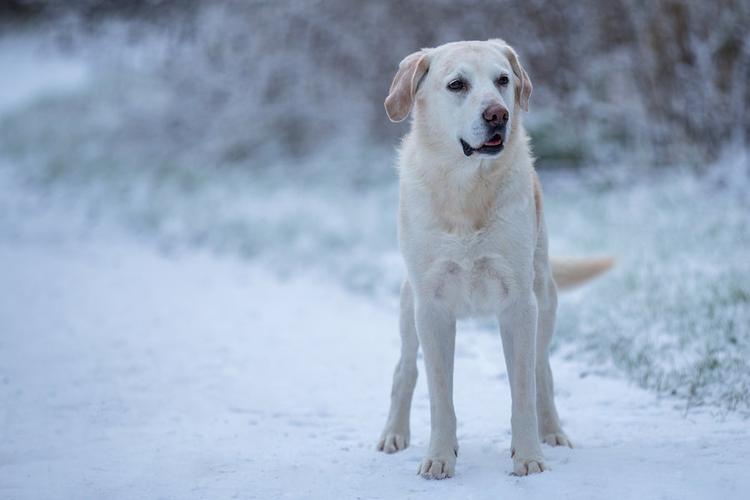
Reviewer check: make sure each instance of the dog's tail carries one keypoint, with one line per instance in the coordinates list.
(569, 272)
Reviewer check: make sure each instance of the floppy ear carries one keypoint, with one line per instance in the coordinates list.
(410, 72)
(523, 82)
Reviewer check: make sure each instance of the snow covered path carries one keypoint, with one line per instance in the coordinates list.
(129, 374)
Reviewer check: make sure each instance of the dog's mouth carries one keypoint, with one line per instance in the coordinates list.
(490, 147)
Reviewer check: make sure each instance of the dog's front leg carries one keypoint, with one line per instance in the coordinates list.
(518, 325)
(395, 436)
(436, 327)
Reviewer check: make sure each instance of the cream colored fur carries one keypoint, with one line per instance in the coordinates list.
(473, 236)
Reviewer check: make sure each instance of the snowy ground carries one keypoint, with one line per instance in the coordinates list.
(132, 372)
(126, 373)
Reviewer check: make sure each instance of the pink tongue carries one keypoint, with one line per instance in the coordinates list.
(494, 142)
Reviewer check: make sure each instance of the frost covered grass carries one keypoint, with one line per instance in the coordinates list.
(675, 313)
(290, 221)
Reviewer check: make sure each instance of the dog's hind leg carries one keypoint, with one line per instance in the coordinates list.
(395, 436)
(550, 431)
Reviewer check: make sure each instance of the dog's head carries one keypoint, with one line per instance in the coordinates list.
(465, 93)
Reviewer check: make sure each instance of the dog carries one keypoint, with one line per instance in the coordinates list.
(472, 234)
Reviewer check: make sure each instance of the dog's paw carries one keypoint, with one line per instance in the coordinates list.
(441, 466)
(393, 441)
(556, 439)
(528, 465)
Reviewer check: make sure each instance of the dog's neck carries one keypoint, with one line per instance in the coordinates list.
(463, 191)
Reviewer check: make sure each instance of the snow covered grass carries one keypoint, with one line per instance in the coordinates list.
(675, 313)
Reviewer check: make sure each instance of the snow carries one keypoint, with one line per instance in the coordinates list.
(30, 73)
(130, 371)
(126, 373)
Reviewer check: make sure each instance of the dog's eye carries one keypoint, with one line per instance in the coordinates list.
(502, 80)
(457, 85)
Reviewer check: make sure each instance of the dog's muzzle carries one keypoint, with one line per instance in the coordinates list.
(492, 146)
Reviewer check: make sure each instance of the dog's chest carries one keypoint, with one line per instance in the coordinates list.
(470, 275)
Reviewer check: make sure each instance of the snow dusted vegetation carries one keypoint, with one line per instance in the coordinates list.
(172, 331)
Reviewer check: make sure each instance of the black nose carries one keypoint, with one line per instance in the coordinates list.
(496, 115)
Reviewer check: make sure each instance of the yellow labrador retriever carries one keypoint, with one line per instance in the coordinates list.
(472, 233)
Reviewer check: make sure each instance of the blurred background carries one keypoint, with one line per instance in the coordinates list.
(256, 130)
(239, 82)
